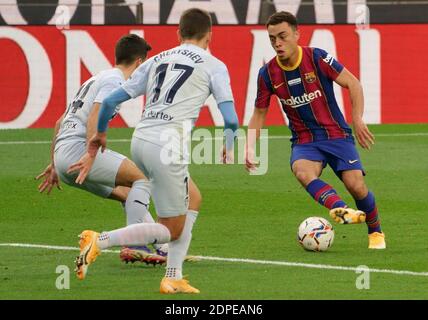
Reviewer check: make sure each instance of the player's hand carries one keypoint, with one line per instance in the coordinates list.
(227, 157)
(51, 179)
(84, 165)
(364, 137)
(98, 140)
(250, 164)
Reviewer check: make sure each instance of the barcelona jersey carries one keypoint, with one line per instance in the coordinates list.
(306, 95)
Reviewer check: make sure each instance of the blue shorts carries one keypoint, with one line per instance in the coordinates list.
(339, 154)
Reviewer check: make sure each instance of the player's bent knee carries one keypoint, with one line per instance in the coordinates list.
(176, 232)
(357, 189)
(304, 177)
(119, 193)
(175, 225)
(354, 182)
(128, 173)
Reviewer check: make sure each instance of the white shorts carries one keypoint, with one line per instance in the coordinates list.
(170, 182)
(101, 180)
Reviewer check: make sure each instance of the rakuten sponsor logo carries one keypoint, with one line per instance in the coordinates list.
(296, 102)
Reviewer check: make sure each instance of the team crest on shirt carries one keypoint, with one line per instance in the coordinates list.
(310, 77)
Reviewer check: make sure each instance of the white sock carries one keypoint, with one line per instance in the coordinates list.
(177, 249)
(137, 203)
(134, 235)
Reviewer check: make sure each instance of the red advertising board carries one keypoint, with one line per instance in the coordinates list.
(41, 68)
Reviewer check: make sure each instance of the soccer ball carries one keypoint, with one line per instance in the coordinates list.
(315, 234)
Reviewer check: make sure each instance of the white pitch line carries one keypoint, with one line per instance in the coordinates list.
(273, 137)
(43, 246)
(313, 266)
(50, 141)
(251, 261)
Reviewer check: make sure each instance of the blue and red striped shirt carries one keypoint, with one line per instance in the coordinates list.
(306, 95)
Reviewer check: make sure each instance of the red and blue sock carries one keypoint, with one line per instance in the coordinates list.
(325, 194)
(368, 205)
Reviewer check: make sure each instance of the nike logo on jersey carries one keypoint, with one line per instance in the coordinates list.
(352, 161)
(277, 86)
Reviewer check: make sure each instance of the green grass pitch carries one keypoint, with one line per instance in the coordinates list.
(242, 216)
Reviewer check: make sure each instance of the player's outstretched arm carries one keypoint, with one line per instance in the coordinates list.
(91, 124)
(347, 80)
(108, 109)
(50, 176)
(256, 123)
(231, 124)
(99, 139)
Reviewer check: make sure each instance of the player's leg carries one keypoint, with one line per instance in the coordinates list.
(140, 234)
(306, 171)
(137, 211)
(136, 207)
(195, 200)
(354, 183)
(101, 181)
(138, 198)
(92, 243)
(307, 163)
(120, 194)
(365, 201)
(195, 196)
(71, 152)
(118, 172)
(171, 199)
(338, 154)
(170, 194)
(135, 235)
(136, 214)
(178, 249)
(111, 171)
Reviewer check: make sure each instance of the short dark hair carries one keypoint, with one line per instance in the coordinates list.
(280, 17)
(129, 48)
(195, 23)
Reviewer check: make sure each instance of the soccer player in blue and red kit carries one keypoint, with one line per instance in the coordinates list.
(302, 78)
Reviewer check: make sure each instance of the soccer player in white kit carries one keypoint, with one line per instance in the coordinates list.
(176, 83)
(112, 174)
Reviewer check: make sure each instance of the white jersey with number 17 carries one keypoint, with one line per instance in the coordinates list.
(176, 83)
